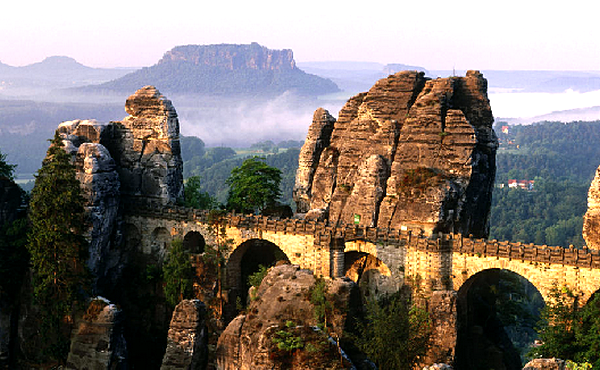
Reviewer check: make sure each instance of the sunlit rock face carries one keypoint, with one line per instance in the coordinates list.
(591, 220)
(410, 153)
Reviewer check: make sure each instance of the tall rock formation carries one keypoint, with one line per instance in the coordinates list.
(146, 147)
(410, 153)
(135, 160)
(591, 220)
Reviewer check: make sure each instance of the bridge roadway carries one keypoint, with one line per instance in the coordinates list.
(445, 262)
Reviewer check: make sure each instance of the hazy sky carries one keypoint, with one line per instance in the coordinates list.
(434, 34)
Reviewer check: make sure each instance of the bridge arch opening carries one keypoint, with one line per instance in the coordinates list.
(132, 238)
(194, 242)
(373, 277)
(245, 260)
(159, 242)
(497, 311)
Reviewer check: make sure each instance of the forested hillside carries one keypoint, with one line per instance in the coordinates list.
(561, 159)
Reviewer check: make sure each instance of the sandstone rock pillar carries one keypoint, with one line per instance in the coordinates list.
(187, 343)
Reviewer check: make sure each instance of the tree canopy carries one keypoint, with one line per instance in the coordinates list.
(57, 247)
(253, 186)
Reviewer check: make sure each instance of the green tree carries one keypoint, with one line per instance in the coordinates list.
(57, 247)
(395, 333)
(253, 186)
(557, 326)
(178, 274)
(195, 197)
(6, 170)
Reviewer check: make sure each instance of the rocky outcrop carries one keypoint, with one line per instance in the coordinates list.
(591, 220)
(280, 309)
(545, 364)
(99, 342)
(187, 343)
(409, 153)
(442, 310)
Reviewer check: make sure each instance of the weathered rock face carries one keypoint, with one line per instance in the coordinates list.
(96, 171)
(99, 342)
(318, 138)
(442, 310)
(282, 304)
(145, 146)
(187, 344)
(545, 364)
(411, 152)
(591, 220)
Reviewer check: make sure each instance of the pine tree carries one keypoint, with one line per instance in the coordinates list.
(57, 247)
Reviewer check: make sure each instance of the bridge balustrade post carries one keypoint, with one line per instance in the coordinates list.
(337, 257)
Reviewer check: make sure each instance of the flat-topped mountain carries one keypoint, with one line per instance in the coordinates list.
(225, 69)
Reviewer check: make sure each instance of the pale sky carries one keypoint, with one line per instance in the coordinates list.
(433, 34)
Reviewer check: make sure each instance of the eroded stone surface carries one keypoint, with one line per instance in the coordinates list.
(282, 303)
(146, 148)
(411, 152)
(187, 342)
(99, 342)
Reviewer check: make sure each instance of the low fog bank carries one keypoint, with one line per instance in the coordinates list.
(525, 108)
(242, 122)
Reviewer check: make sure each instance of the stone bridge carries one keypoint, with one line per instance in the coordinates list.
(386, 257)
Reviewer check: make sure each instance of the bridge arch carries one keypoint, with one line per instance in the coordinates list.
(543, 276)
(194, 242)
(246, 259)
(497, 310)
(159, 242)
(366, 264)
(132, 237)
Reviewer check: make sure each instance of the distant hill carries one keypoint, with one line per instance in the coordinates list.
(225, 69)
(354, 77)
(57, 72)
